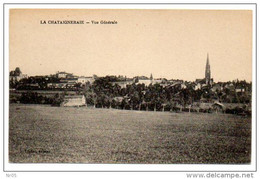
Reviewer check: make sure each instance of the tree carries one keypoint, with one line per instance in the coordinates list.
(58, 99)
(17, 71)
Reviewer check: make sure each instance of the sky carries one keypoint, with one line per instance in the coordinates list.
(170, 44)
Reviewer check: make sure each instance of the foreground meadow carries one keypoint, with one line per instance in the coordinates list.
(45, 134)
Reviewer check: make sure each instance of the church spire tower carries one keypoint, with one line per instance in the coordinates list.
(207, 72)
(151, 79)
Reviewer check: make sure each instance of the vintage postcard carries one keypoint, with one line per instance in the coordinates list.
(130, 86)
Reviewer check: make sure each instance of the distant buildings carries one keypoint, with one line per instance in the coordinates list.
(216, 88)
(68, 80)
(64, 75)
(123, 84)
(206, 89)
(16, 75)
(145, 80)
(83, 79)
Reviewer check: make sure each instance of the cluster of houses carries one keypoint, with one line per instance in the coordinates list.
(196, 85)
(64, 80)
(199, 84)
(139, 80)
(68, 80)
(16, 75)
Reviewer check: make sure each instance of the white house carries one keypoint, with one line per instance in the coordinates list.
(63, 75)
(197, 86)
(17, 75)
(123, 84)
(77, 100)
(146, 82)
(83, 79)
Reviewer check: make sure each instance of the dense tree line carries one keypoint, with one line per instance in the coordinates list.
(104, 94)
(154, 97)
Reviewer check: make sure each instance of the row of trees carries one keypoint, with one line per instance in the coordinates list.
(128, 103)
(102, 93)
(138, 96)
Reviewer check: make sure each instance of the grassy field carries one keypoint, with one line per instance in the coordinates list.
(46, 134)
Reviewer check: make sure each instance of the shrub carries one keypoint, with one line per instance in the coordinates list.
(34, 98)
(57, 100)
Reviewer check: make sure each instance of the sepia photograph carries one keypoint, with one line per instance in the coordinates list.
(130, 86)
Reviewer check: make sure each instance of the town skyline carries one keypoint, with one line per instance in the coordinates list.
(171, 44)
(131, 77)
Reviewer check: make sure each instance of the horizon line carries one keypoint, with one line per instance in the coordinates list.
(132, 76)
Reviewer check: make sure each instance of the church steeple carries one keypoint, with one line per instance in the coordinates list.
(151, 76)
(207, 72)
(151, 79)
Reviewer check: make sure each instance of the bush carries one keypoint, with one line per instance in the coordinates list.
(238, 110)
(57, 100)
(34, 98)
(13, 99)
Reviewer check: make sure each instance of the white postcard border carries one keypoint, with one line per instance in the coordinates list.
(125, 167)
